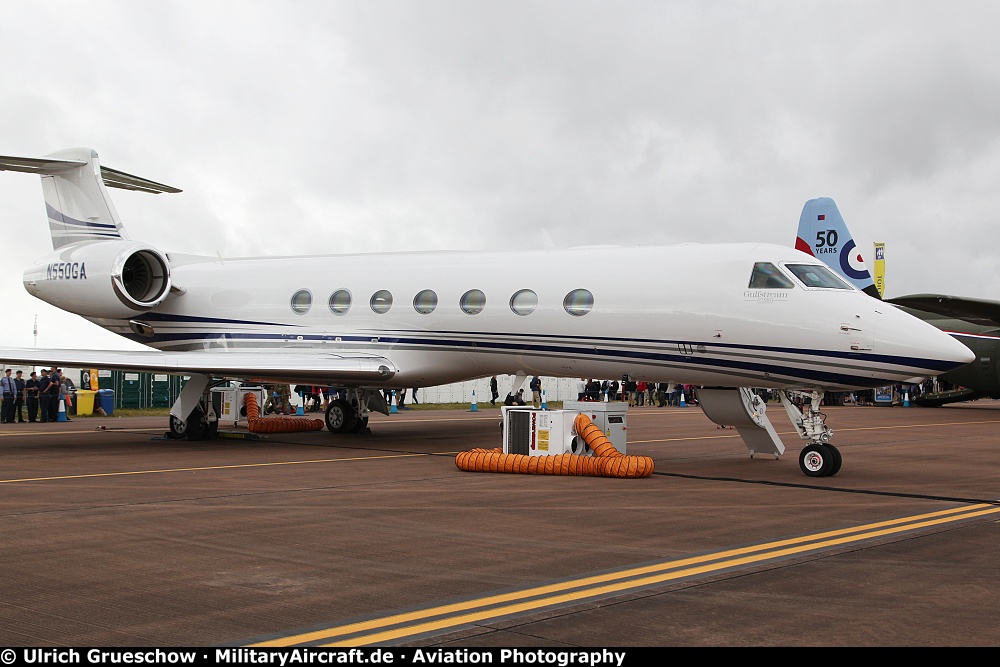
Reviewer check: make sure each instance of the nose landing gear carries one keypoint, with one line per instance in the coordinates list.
(818, 458)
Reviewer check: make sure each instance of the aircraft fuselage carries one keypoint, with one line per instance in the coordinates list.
(677, 313)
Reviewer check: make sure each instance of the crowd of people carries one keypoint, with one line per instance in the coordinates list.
(41, 396)
(317, 398)
(637, 393)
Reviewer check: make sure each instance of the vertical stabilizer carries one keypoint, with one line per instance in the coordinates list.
(824, 235)
(77, 203)
(76, 200)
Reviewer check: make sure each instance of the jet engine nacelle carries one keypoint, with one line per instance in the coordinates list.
(108, 279)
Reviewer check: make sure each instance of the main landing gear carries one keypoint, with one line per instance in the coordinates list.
(349, 413)
(193, 415)
(818, 458)
(196, 426)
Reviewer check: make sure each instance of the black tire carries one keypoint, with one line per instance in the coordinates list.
(178, 428)
(360, 425)
(340, 417)
(816, 460)
(838, 460)
(195, 427)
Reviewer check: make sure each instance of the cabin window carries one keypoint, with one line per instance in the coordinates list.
(817, 275)
(767, 276)
(381, 301)
(340, 302)
(578, 302)
(524, 302)
(472, 302)
(302, 301)
(425, 302)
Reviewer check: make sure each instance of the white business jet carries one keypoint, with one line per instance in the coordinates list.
(747, 315)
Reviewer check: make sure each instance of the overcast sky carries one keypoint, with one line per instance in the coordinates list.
(326, 127)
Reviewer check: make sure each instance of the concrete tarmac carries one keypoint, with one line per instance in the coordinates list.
(115, 536)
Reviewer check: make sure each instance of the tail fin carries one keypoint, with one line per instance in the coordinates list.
(824, 235)
(76, 199)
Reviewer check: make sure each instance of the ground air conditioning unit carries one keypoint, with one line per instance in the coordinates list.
(609, 416)
(535, 432)
(229, 406)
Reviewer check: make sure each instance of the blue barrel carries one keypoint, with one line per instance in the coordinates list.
(106, 400)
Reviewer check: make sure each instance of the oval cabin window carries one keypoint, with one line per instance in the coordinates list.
(302, 301)
(381, 301)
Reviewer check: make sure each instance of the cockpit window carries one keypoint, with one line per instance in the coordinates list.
(767, 276)
(816, 275)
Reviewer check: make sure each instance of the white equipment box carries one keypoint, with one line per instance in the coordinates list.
(535, 432)
(228, 403)
(609, 416)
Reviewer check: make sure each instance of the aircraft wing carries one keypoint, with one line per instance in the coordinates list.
(293, 367)
(976, 311)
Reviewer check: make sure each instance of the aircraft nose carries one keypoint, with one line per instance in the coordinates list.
(931, 347)
(950, 350)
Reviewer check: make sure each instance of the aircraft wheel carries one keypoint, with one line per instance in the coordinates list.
(838, 460)
(340, 417)
(195, 427)
(816, 460)
(178, 428)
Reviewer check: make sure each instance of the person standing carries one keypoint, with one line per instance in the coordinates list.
(31, 396)
(9, 390)
(284, 399)
(536, 392)
(66, 389)
(54, 389)
(19, 397)
(494, 390)
(44, 400)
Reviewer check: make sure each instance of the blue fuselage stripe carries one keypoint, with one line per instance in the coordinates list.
(786, 367)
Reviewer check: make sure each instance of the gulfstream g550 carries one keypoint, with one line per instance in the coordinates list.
(750, 315)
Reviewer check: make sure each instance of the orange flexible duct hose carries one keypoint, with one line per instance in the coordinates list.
(258, 424)
(606, 461)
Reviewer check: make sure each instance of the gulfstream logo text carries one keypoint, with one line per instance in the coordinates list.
(66, 271)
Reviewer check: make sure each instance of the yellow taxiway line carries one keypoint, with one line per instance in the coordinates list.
(491, 608)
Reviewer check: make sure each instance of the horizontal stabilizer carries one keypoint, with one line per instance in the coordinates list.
(119, 179)
(112, 177)
(42, 166)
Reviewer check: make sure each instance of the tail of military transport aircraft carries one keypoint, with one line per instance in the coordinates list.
(824, 235)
